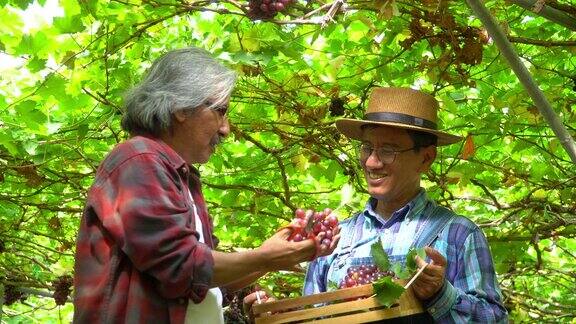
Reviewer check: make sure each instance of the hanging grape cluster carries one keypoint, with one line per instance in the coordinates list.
(460, 45)
(12, 294)
(234, 312)
(267, 9)
(362, 275)
(62, 287)
(441, 29)
(323, 222)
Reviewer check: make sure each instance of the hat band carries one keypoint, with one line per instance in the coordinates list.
(400, 118)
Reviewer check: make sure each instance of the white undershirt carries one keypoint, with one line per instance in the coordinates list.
(208, 311)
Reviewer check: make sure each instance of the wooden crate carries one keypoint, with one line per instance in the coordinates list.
(339, 306)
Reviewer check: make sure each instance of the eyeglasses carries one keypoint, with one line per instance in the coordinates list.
(221, 109)
(386, 155)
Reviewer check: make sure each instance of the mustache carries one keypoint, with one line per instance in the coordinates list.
(216, 140)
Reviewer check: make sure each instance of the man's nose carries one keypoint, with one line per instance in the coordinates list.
(225, 127)
(373, 161)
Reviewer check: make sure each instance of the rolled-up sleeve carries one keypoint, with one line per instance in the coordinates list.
(145, 210)
(473, 295)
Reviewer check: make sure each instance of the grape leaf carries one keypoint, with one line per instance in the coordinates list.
(399, 271)
(332, 285)
(410, 261)
(387, 291)
(380, 256)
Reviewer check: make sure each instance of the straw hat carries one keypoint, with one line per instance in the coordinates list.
(399, 107)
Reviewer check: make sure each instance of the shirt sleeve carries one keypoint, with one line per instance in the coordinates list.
(473, 296)
(142, 207)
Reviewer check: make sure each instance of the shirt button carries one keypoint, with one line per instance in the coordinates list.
(386, 231)
(432, 310)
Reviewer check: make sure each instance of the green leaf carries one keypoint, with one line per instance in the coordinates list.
(410, 258)
(387, 291)
(400, 271)
(32, 44)
(36, 64)
(72, 7)
(8, 142)
(22, 4)
(69, 25)
(332, 285)
(54, 85)
(380, 256)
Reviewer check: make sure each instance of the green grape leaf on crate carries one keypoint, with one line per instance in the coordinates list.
(410, 258)
(380, 256)
(387, 291)
(400, 272)
(332, 285)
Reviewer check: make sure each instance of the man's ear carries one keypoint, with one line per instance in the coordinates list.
(180, 115)
(428, 155)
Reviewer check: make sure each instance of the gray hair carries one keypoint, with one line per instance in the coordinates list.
(181, 79)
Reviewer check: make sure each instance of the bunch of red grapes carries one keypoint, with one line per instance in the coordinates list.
(266, 9)
(62, 288)
(322, 222)
(362, 275)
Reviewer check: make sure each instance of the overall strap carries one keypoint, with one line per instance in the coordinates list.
(347, 238)
(438, 219)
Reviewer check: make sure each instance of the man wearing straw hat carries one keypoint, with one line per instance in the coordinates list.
(397, 138)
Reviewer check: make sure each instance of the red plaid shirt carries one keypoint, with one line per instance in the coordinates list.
(138, 259)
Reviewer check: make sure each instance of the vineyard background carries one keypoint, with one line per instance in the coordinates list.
(61, 86)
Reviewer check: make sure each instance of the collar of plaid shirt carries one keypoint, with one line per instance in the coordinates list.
(195, 187)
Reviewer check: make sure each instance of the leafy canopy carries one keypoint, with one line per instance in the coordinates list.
(61, 89)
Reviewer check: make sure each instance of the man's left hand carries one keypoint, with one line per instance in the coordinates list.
(431, 280)
(257, 297)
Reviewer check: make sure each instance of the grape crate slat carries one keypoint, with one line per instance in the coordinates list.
(349, 304)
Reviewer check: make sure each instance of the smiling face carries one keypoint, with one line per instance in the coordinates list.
(195, 134)
(396, 183)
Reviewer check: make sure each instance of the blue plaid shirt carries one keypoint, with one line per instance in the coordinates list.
(470, 293)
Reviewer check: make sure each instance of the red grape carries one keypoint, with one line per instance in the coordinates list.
(363, 274)
(323, 222)
(332, 220)
(267, 9)
(300, 213)
(297, 237)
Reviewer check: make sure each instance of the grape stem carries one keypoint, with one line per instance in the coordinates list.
(331, 13)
